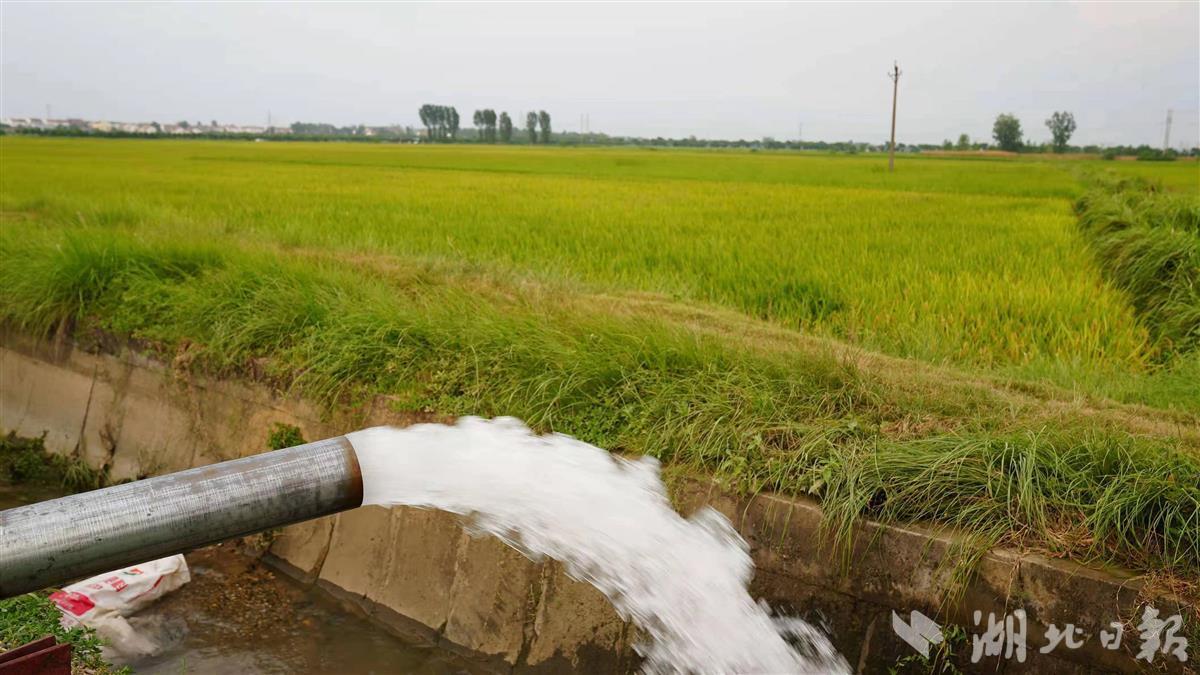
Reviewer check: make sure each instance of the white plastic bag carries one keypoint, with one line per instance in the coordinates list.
(102, 602)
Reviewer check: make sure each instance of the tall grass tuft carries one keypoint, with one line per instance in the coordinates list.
(1147, 243)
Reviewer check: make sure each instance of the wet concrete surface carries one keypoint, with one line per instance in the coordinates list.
(239, 616)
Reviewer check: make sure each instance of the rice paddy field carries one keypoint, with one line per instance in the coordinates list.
(943, 335)
(967, 262)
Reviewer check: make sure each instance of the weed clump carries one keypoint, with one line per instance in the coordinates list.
(25, 460)
(284, 436)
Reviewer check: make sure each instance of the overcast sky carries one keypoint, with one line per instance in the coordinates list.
(712, 70)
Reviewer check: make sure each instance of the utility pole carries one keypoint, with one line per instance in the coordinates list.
(1167, 133)
(895, 78)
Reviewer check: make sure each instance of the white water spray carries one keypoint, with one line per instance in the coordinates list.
(608, 520)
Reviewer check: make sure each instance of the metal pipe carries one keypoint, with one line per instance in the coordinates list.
(56, 541)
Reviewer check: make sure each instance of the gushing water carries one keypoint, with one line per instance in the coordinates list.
(608, 520)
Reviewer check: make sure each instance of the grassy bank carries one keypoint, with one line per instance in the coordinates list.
(1147, 243)
(703, 389)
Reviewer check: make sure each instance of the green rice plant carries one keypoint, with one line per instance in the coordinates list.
(967, 262)
(1180, 176)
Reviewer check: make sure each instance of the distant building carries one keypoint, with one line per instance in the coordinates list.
(35, 123)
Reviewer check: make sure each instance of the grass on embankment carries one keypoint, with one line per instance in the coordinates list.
(1147, 243)
(759, 406)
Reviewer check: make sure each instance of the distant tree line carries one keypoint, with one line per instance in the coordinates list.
(1146, 153)
(485, 124)
(440, 122)
(1007, 131)
(506, 128)
(321, 130)
(398, 134)
(441, 125)
(1008, 136)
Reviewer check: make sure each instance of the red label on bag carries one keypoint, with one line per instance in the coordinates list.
(73, 602)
